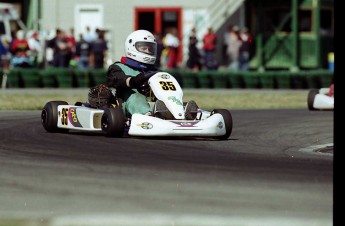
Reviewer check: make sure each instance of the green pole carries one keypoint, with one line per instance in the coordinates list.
(33, 15)
(316, 23)
(259, 41)
(39, 14)
(294, 14)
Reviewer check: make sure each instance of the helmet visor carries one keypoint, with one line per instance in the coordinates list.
(146, 47)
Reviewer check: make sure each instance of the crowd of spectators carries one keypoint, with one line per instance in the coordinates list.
(62, 50)
(237, 45)
(89, 50)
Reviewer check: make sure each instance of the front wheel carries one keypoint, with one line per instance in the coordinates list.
(50, 115)
(311, 96)
(113, 122)
(227, 120)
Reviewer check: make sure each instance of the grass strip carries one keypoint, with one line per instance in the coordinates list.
(208, 99)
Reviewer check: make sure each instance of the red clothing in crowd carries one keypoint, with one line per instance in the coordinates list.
(20, 47)
(209, 41)
(71, 42)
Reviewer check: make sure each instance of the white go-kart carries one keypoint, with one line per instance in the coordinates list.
(320, 99)
(175, 117)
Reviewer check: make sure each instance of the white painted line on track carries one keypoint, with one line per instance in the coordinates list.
(182, 220)
(314, 149)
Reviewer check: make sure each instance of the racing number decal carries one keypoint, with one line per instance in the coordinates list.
(167, 85)
(64, 120)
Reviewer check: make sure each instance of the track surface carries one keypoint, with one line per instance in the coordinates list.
(265, 174)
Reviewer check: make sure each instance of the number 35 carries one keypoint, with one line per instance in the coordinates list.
(167, 86)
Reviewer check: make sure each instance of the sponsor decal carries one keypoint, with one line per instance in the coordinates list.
(72, 117)
(145, 125)
(220, 125)
(186, 124)
(164, 76)
(64, 119)
(174, 99)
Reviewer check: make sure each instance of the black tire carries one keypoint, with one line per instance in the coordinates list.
(191, 110)
(311, 97)
(113, 122)
(50, 115)
(227, 120)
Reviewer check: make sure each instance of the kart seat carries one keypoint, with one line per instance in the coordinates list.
(85, 104)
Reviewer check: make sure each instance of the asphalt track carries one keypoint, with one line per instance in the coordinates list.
(268, 173)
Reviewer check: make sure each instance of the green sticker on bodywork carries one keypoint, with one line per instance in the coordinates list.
(174, 99)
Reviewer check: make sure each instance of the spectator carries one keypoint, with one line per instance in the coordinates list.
(209, 47)
(3, 48)
(19, 49)
(246, 42)
(71, 40)
(234, 44)
(35, 48)
(172, 42)
(164, 56)
(72, 45)
(48, 51)
(89, 36)
(193, 61)
(160, 47)
(99, 50)
(225, 45)
(61, 49)
(4, 53)
(83, 50)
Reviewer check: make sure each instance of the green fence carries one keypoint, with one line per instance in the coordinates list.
(67, 78)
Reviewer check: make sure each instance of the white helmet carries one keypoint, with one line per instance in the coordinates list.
(141, 46)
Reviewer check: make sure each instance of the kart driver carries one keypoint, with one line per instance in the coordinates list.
(133, 71)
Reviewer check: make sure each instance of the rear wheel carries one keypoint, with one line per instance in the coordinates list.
(227, 120)
(113, 122)
(50, 115)
(311, 97)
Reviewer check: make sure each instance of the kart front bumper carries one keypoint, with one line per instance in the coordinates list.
(143, 125)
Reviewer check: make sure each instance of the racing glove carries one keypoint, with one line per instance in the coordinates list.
(140, 79)
(148, 74)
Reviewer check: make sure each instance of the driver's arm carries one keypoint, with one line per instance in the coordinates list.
(116, 78)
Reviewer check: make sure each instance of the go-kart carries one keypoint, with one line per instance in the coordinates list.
(171, 115)
(321, 99)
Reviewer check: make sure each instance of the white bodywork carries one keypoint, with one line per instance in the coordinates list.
(79, 118)
(89, 119)
(323, 101)
(166, 88)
